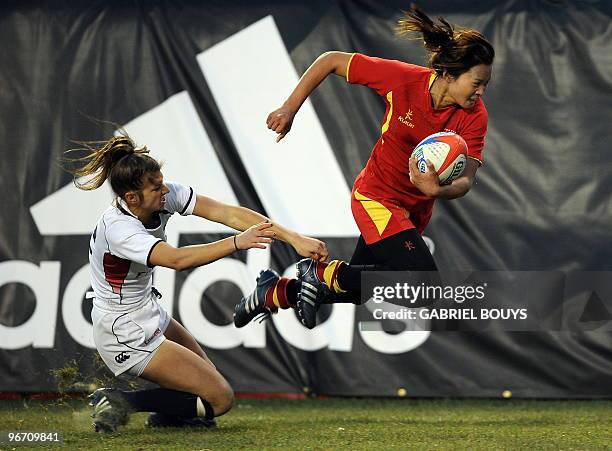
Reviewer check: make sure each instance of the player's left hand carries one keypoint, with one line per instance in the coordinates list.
(427, 182)
(311, 247)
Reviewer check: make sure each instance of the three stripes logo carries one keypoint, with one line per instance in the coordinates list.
(102, 405)
(121, 357)
(264, 279)
(308, 293)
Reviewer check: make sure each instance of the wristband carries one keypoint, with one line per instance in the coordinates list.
(235, 245)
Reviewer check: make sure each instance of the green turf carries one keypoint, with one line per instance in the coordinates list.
(342, 424)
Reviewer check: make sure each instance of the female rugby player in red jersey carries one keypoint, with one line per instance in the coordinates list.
(391, 200)
(132, 332)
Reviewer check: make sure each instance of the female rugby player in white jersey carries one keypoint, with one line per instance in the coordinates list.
(132, 332)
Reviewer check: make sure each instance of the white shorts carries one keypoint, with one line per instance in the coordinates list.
(128, 341)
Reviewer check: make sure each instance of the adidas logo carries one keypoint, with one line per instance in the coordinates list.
(72, 212)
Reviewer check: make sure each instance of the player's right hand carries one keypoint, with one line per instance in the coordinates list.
(310, 247)
(256, 236)
(280, 121)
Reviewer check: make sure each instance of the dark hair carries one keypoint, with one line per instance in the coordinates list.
(452, 49)
(118, 159)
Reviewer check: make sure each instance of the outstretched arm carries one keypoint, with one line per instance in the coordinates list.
(179, 258)
(280, 120)
(241, 218)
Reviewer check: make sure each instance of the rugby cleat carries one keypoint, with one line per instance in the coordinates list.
(255, 303)
(311, 293)
(111, 410)
(163, 420)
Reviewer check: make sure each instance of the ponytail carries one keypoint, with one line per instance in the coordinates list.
(118, 159)
(452, 50)
(436, 36)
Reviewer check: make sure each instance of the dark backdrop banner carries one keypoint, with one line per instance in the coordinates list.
(194, 81)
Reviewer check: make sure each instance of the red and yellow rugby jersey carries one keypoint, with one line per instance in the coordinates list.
(409, 118)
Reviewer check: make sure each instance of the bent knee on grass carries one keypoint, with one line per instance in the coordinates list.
(177, 368)
(222, 401)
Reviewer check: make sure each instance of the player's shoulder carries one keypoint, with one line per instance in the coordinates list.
(410, 76)
(180, 198)
(173, 186)
(395, 64)
(176, 189)
(479, 107)
(416, 70)
(117, 220)
(477, 112)
(473, 120)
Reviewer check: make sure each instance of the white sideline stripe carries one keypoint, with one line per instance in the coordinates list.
(249, 75)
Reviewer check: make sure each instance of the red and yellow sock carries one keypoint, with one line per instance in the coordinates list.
(277, 296)
(328, 274)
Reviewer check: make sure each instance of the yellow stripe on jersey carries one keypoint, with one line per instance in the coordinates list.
(385, 126)
(432, 78)
(378, 213)
(348, 65)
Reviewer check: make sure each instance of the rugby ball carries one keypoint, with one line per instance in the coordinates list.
(447, 151)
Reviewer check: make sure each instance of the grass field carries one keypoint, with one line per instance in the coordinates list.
(340, 424)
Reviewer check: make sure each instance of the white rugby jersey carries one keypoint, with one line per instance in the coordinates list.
(120, 247)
